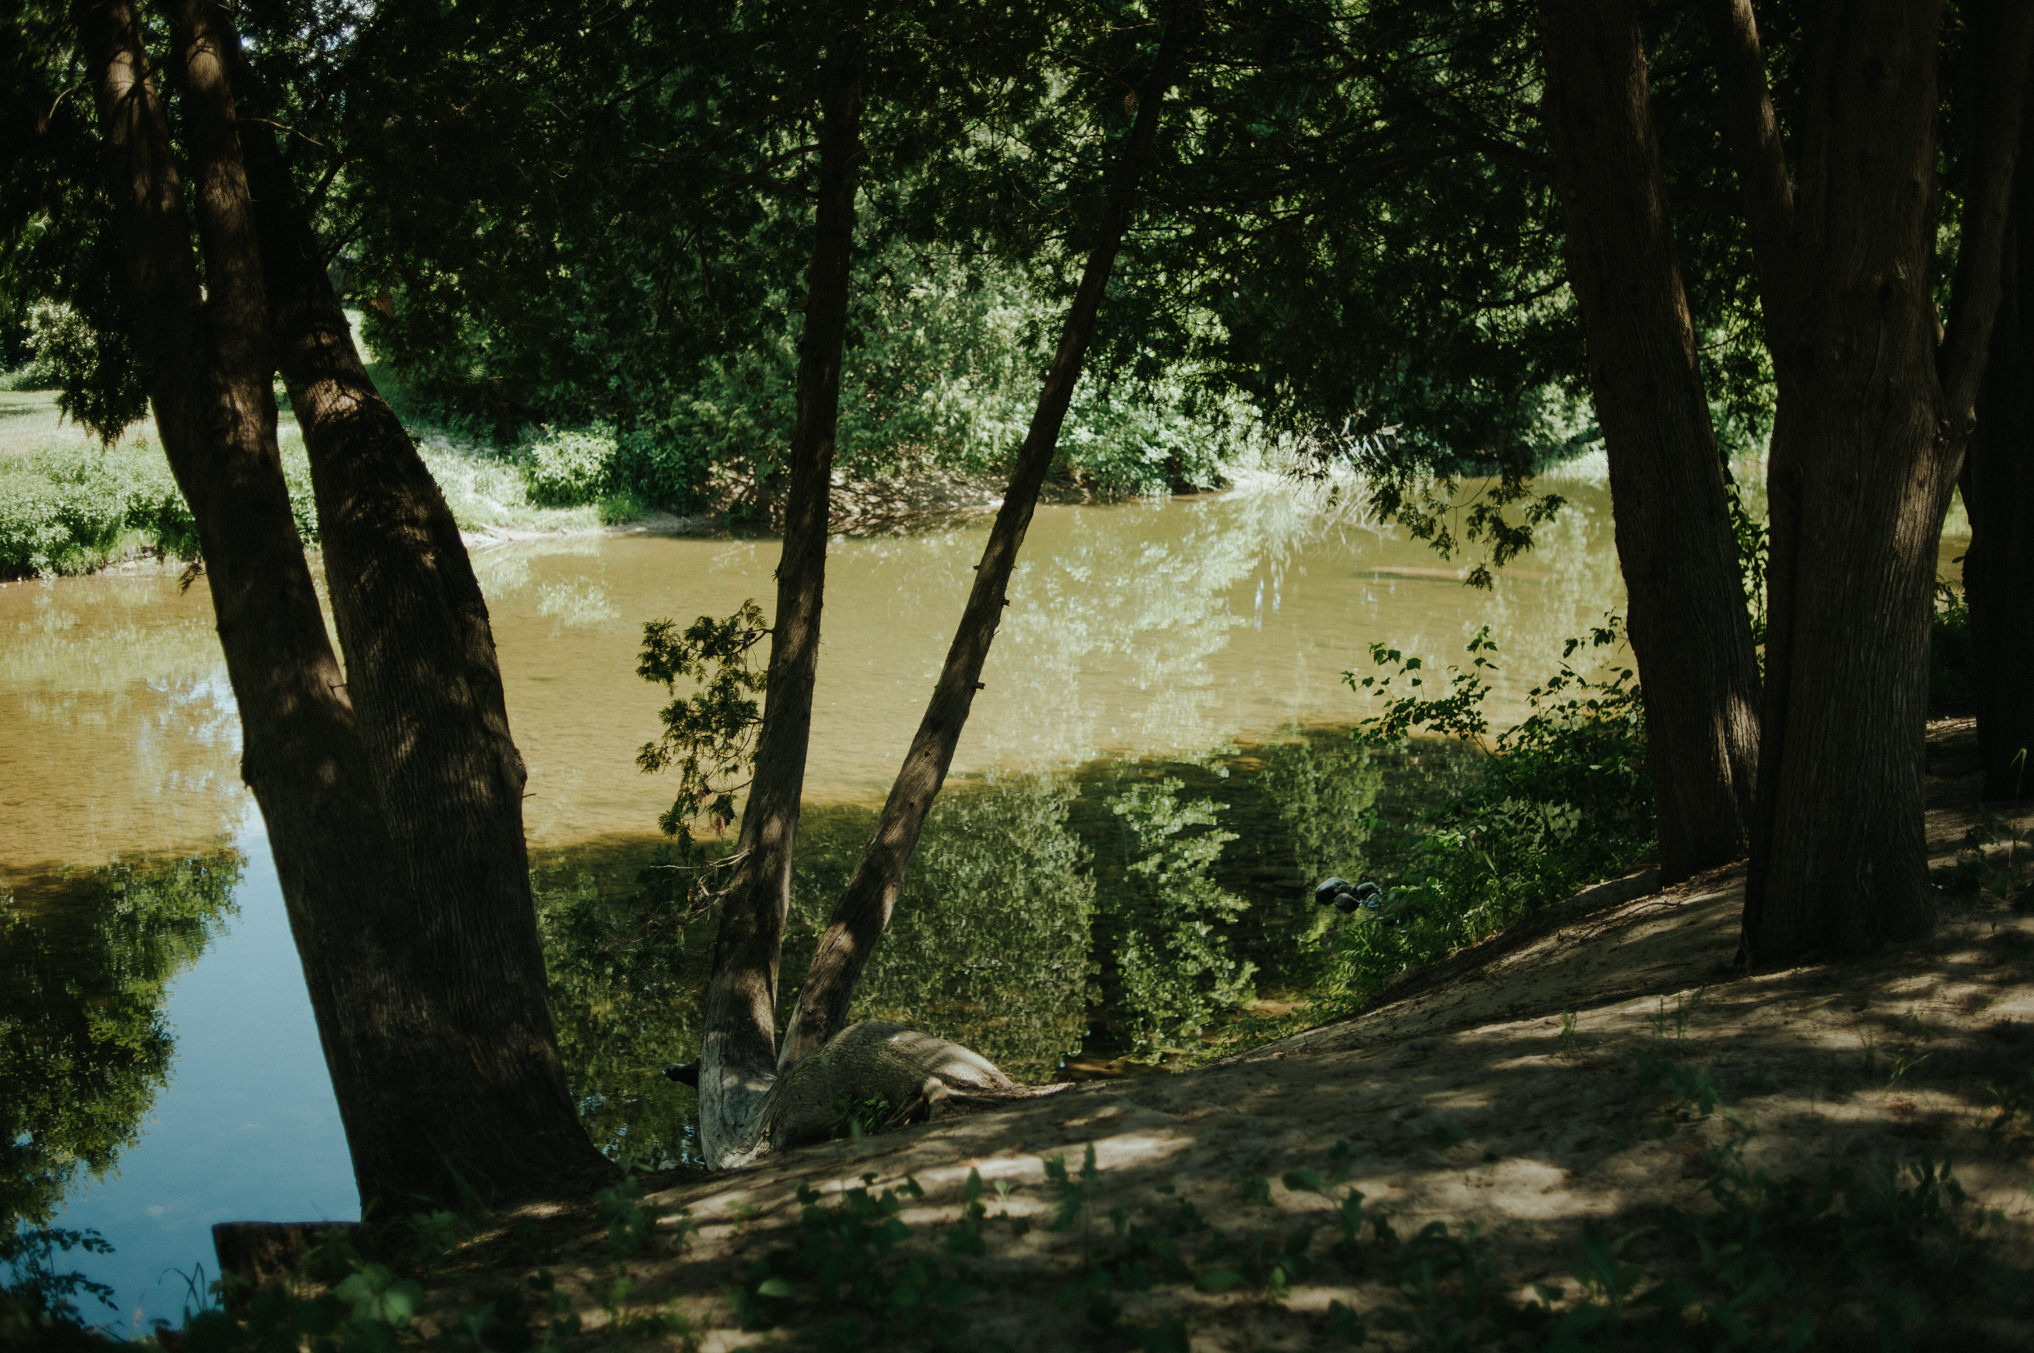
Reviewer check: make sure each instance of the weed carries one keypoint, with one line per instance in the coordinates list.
(1567, 1039)
(1687, 1086)
(847, 1271)
(631, 1223)
(1997, 858)
(1561, 800)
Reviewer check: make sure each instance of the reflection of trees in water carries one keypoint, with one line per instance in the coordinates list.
(113, 701)
(84, 975)
(1134, 903)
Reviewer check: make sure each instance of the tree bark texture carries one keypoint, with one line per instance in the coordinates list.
(1867, 439)
(1998, 492)
(486, 1089)
(739, 1054)
(1687, 618)
(864, 909)
(388, 958)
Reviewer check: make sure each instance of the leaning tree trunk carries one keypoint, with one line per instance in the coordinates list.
(1998, 492)
(738, 1055)
(208, 384)
(435, 1101)
(1871, 416)
(486, 1088)
(864, 909)
(1687, 618)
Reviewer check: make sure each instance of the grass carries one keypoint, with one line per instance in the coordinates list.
(69, 505)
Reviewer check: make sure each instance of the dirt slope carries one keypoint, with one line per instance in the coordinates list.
(1509, 1092)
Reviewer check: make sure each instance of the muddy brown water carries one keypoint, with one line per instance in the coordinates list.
(1169, 672)
(1142, 628)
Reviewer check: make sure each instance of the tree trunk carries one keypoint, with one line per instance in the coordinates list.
(864, 909)
(1687, 618)
(433, 1023)
(738, 1057)
(1872, 413)
(1998, 491)
(486, 1090)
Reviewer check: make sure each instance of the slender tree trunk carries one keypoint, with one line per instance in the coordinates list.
(738, 1057)
(1998, 491)
(1867, 440)
(433, 1024)
(864, 909)
(1687, 617)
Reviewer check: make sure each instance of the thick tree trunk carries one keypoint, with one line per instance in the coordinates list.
(864, 909)
(738, 1057)
(1865, 446)
(216, 418)
(1687, 618)
(485, 1089)
(1998, 491)
(433, 1022)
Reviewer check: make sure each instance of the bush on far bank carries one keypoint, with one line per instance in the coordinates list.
(73, 508)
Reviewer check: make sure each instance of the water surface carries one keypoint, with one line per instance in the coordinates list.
(1138, 804)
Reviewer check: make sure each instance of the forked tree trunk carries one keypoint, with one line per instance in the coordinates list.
(1872, 413)
(487, 1090)
(1998, 491)
(1687, 618)
(864, 909)
(426, 984)
(738, 1054)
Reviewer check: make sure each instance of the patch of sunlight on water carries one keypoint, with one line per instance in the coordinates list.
(1136, 706)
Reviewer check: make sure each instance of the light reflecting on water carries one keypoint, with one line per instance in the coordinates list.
(1143, 628)
(1126, 834)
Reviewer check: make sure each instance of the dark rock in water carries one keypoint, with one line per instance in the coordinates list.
(1370, 895)
(1331, 888)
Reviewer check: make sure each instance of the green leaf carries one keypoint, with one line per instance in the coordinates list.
(1218, 1280)
(1301, 1181)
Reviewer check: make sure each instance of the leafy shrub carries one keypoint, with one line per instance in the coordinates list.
(96, 373)
(568, 467)
(1949, 654)
(72, 509)
(1165, 920)
(1559, 801)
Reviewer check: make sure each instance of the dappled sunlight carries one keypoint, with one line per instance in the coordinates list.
(1599, 1071)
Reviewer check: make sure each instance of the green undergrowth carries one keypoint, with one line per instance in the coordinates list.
(73, 507)
(1558, 802)
(1885, 1253)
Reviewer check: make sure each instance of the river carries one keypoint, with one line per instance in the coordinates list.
(1159, 753)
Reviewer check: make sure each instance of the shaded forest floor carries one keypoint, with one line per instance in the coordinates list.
(1591, 1124)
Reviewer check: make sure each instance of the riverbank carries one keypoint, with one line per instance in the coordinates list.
(1591, 1119)
(69, 506)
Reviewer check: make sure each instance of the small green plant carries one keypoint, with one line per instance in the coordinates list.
(631, 1223)
(858, 1118)
(1567, 1039)
(567, 467)
(848, 1274)
(1996, 858)
(1561, 800)
(41, 1293)
(709, 734)
(621, 507)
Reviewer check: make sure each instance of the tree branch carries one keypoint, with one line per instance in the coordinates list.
(1754, 134)
(2005, 30)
